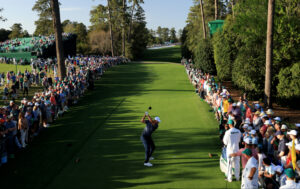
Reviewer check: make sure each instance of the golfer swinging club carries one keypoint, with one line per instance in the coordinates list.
(151, 126)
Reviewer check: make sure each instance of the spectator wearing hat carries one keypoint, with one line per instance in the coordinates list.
(236, 112)
(270, 113)
(290, 180)
(250, 172)
(231, 140)
(284, 129)
(277, 126)
(248, 145)
(257, 121)
(265, 127)
(293, 136)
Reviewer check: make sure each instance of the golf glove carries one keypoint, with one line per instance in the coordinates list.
(146, 113)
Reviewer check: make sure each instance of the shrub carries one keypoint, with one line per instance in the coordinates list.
(288, 88)
(204, 58)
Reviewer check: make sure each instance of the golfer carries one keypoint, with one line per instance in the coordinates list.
(151, 126)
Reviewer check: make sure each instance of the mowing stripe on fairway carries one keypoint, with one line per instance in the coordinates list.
(103, 133)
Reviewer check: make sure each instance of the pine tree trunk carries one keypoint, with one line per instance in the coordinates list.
(123, 29)
(269, 55)
(203, 19)
(58, 39)
(131, 22)
(110, 29)
(232, 8)
(216, 9)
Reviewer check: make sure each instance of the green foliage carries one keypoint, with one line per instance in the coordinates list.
(287, 35)
(16, 31)
(248, 71)
(204, 57)
(80, 30)
(250, 26)
(185, 52)
(99, 17)
(173, 36)
(44, 23)
(140, 36)
(4, 34)
(289, 85)
(225, 50)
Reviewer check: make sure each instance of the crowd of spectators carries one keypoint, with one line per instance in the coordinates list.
(20, 123)
(269, 150)
(29, 44)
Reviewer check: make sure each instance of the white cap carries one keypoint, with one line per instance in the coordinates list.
(277, 119)
(297, 124)
(30, 104)
(278, 169)
(239, 104)
(247, 121)
(270, 112)
(292, 132)
(248, 140)
(245, 126)
(249, 128)
(252, 132)
(36, 104)
(263, 114)
(267, 122)
(157, 119)
(284, 126)
(234, 104)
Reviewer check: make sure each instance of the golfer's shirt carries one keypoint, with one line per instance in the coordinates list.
(149, 129)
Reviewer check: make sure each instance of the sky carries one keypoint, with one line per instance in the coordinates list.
(164, 13)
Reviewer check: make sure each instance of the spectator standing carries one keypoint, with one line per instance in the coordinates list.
(250, 172)
(23, 128)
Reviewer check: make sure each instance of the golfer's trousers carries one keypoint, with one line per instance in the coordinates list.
(149, 147)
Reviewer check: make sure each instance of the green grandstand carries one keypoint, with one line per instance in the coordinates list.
(33, 47)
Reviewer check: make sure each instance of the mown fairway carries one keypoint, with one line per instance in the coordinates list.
(103, 132)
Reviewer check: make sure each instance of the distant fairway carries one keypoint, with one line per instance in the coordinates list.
(168, 54)
(103, 133)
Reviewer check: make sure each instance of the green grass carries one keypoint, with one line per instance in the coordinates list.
(10, 67)
(103, 131)
(170, 54)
